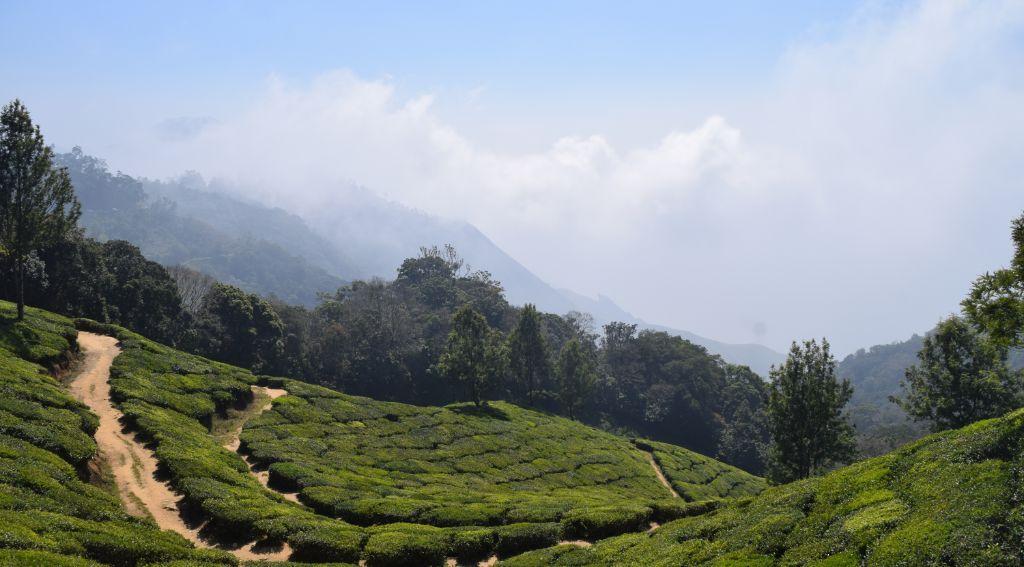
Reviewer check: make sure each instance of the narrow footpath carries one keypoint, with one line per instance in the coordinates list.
(232, 442)
(131, 464)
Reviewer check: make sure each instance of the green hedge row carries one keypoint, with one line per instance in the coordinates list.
(48, 515)
(954, 498)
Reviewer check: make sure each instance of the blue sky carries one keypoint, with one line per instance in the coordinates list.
(750, 171)
(560, 61)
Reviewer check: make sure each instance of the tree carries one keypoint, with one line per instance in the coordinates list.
(37, 202)
(808, 429)
(996, 300)
(240, 328)
(473, 355)
(576, 376)
(961, 377)
(528, 352)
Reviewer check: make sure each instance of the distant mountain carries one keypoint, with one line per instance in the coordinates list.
(236, 243)
(210, 227)
(759, 358)
(875, 374)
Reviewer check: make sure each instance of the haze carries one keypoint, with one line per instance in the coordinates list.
(748, 172)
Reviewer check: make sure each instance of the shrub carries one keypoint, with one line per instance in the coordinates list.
(597, 523)
(516, 538)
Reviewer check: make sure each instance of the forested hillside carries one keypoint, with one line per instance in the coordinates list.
(208, 227)
(247, 254)
(876, 374)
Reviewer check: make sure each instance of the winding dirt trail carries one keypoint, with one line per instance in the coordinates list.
(232, 443)
(661, 474)
(132, 465)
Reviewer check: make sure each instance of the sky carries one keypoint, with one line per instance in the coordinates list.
(749, 171)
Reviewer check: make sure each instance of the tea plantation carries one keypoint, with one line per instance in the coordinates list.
(48, 515)
(372, 462)
(954, 498)
(388, 483)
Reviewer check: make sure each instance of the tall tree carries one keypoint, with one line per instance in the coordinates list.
(576, 376)
(473, 355)
(996, 301)
(528, 352)
(961, 377)
(37, 202)
(805, 414)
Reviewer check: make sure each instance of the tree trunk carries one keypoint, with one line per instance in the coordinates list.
(20, 285)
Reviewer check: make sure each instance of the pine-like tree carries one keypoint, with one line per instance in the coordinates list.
(576, 376)
(805, 414)
(37, 202)
(528, 353)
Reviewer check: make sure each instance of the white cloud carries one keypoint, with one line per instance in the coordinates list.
(849, 200)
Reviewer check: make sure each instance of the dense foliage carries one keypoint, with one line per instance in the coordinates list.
(953, 498)
(48, 516)
(961, 378)
(475, 480)
(37, 202)
(809, 429)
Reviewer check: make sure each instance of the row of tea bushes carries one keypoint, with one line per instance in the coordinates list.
(371, 462)
(48, 515)
(954, 498)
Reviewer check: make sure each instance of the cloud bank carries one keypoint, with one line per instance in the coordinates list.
(854, 198)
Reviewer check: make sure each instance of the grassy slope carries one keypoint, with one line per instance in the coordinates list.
(48, 516)
(373, 462)
(950, 498)
(171, 398)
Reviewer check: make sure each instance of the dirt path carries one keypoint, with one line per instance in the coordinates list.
(232, 442)
(661, 475)
(132, 465)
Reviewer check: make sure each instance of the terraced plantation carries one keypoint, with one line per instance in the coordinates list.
(372, 462)
(49, 516)
(380, 483)
(954, 498)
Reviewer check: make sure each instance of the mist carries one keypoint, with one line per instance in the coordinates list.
(853, 195)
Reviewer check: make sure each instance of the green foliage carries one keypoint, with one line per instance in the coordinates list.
(474, 355)
(952, 498)
(371, 462)
(996, 300)
(528, 353)
(239, 328)
(805, 414)
(961, 377)
(111, 282)
(48, 516)
(576, 376)
(37, 202)
(875, 375)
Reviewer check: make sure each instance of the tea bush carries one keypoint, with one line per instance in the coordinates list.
(371, 462)
(954, 498)
(48, 515)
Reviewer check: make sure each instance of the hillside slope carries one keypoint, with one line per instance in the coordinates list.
(48, 515)
(475, 481)
(953, 498)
